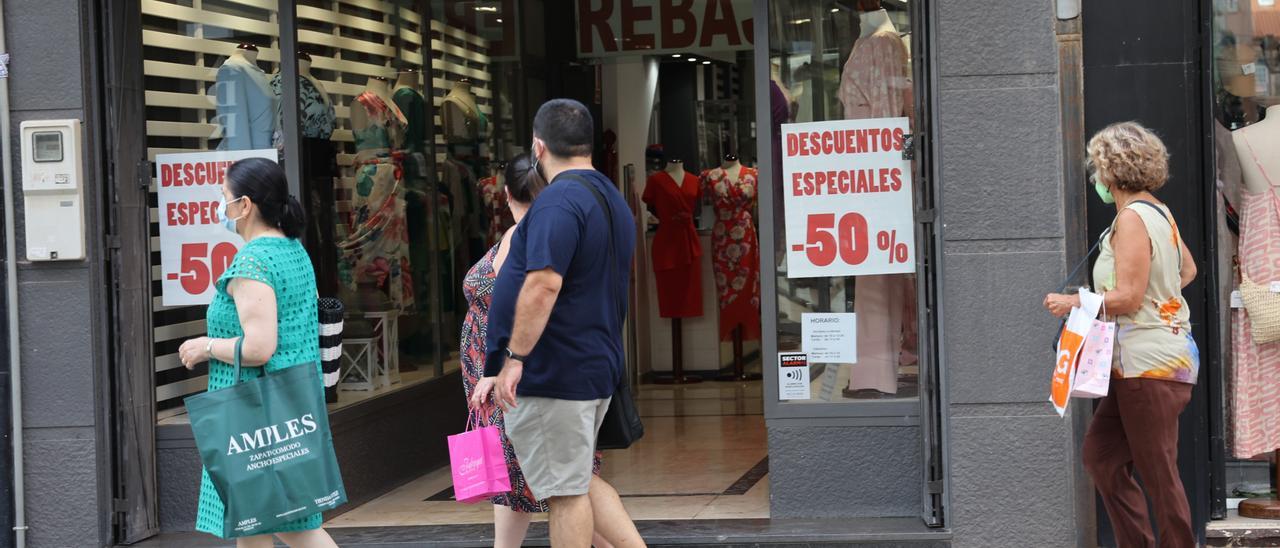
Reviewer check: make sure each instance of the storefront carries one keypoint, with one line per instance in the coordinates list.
(856, 160)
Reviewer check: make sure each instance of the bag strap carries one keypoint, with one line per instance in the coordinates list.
(1083, 261)
(239, 357)
(612, 256)
(608, 212)
(1166, 219)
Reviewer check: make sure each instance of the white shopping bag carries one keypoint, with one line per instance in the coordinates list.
(1093, 371)
(1079, 323)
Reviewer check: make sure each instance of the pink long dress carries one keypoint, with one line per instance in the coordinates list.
(1255, 375)
(876, 83)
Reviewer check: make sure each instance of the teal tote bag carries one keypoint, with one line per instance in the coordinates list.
(267, 447)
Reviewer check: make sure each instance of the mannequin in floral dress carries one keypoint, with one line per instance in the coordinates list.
(736, 258)
(375, 253)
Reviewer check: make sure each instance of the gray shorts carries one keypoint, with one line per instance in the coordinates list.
(555, 442)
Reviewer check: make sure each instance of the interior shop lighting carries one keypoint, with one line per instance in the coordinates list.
(490, 9)
(692, 60)
(835, 10)
(801, 21)
(706, 62)
(676, 55)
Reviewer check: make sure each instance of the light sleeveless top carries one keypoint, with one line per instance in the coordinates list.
(1155, 341)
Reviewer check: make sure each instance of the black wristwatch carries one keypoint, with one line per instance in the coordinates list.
(513, 356)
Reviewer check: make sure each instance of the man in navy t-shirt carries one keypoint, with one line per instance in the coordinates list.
(555, 328)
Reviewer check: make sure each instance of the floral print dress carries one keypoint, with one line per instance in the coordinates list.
(477, 287)
(375, 251)
(736, 258)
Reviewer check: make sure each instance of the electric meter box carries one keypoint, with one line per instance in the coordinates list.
(53, 190)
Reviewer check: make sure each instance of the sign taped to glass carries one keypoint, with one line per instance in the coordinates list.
(848, 195)
(194, 248)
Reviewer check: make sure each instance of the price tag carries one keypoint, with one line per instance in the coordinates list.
(1275, 287)
(848, 197)
(1237, 300)
(194, 247)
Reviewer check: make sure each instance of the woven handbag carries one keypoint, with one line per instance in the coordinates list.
(1263, 307)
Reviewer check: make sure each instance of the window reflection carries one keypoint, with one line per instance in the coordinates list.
(845, 61)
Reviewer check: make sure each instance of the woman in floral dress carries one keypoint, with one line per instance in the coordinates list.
(513, 511)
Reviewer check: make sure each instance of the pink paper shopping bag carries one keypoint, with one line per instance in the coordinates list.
(1093, 374)
(479, 467)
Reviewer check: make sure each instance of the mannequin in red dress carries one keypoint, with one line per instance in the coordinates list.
(737, 253)
(672, 196)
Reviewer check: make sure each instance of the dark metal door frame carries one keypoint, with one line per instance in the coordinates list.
(131, 420)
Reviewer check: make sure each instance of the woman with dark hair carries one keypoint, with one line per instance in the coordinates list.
(513, 511)
(267, 298)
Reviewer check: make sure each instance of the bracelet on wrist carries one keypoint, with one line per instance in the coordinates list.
(208, 348)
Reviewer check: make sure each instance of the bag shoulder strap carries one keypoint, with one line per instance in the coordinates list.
(1166, 219)
(608, 213)
(239, 358)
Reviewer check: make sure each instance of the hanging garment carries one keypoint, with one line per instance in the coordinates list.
(246, 106)
(737, 251)
(676, 249)
(375, 254)
(876, 82)
(1255, 377)
(495, 206)
(319, 169)
(316, 115)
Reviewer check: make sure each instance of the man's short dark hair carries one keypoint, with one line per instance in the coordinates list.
(566, 127)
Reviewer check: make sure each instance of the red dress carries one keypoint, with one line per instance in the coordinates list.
(737, 251)
(495, 206)
(676, 250)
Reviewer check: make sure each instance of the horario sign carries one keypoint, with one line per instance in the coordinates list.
(628, 27)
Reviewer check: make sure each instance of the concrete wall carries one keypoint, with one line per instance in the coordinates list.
(999, 140)
(61, 337)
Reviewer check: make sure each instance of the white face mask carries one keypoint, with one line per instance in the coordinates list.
(228, 223)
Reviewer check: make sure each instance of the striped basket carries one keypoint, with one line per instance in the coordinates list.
(331, 312)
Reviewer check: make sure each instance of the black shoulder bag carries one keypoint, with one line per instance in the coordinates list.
(622, 426)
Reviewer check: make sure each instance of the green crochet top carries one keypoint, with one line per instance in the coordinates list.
(283, 264)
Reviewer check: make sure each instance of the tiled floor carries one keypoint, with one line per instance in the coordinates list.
(703, 457)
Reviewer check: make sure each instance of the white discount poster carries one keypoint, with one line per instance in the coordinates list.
(194, 247)
(848, 196)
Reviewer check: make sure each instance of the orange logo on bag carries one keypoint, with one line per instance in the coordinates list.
(1068, 353)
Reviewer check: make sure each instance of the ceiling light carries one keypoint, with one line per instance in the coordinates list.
(692, 60)
(835, 10)
(706, 62)
(801, 21)
(490, 9)
(676, 55)
(498, 20)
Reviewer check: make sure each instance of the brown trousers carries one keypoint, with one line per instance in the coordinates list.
(1136, 427)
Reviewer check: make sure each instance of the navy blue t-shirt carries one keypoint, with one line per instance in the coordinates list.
(580, 354)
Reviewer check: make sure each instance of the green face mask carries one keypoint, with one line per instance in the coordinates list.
(1104, 193)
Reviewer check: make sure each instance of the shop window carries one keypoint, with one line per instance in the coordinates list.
(197, 56)
(846, 192)
(407, 112)
(1246, 85)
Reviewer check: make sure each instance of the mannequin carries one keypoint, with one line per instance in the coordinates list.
(1259, 141)
(736, 257)
(1254, 371)
(672, 196)
(376, 251)
(464, 125)
(876, 83)
(733, 170)
(246, 106)
(460, 114)
(409, 79)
